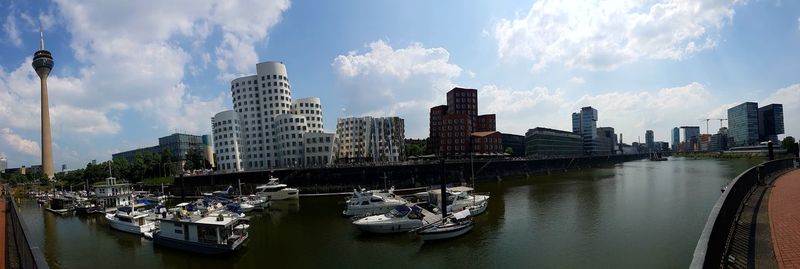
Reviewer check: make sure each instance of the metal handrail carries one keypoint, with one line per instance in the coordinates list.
(27, 255)
(712, 243)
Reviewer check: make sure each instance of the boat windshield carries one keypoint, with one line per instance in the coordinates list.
(398, 212)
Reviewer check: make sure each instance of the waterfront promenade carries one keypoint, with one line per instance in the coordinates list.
(3, 227)
(784, 217)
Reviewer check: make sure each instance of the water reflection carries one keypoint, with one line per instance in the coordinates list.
(633, 215)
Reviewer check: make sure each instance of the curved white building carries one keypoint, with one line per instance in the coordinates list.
(272, 124)
(225, 128)
(368, 139)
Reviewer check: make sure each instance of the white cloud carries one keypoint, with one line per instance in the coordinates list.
(602, 35)
(22, 145)
(404, 82)
(12, 34)
(577, 80)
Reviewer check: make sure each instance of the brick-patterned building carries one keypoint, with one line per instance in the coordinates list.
(452, 126)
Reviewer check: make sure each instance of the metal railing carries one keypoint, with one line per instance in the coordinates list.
(712, 244)
(19, 252)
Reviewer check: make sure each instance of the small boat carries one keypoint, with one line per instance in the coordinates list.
(61, 205)
(84, 207)
(656, 156)
(131, 221)
(274, 191)
(402, 218)
(220, 234)
(258, 203)
(365, 202)
(452, 226)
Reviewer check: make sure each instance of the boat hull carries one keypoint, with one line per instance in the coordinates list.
(433, 234)
(202, 248)
(280, 195)
(129, 228)
(371, 210)
(60, 211)
(388, 228)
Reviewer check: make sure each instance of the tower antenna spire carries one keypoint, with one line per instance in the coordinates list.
(41, 37)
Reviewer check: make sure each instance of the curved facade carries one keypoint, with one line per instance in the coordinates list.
(225, 127)
(272, 124)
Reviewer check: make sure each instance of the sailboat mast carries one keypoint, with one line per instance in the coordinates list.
(444, 189)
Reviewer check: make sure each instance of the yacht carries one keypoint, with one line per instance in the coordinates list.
(128, 220)
(452, 226)
(402, 218)
(215, 234)
(459, 198)
(370, 203)
(274, 191)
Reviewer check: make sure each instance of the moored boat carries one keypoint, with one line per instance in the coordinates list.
(452, 226)
(274, 191)
(130, 221)
(219, 234)
(402, 218)
(365, 202)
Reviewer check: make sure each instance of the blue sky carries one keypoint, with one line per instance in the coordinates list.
(127, 73)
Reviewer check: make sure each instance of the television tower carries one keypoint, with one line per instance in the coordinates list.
(43, 63)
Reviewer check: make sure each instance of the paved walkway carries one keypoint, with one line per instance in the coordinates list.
(784, 216)
(2, 229)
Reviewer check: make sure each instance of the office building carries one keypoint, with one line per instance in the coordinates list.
(606, 141)
(770, 122)
(649, 138)
(515, 142)
(452, 126)
(178, 146)
(319, 149)
(719, 141)
(584, 123)
(690, 136)
(486, 143)
(370, 139)
(272, 125)
(227, 142)
(743, 124)
(543, 143)
(676, 138)
(3, 163)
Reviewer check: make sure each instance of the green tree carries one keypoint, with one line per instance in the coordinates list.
(509, 151)
(193, 160)
(789, 140)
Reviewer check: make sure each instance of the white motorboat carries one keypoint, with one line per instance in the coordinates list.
(274, 191)
(402, 218)
(128, 220)
(258, 203)
(452, 226)
(459, 198)
(370, 203)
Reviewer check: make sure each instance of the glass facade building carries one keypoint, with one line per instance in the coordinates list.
(770, 122)
(542, 143)
(584, 123)
(743, 124)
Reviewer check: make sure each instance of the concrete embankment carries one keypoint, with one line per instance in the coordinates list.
(343, 179)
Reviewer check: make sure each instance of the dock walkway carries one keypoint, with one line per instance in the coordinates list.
(784, 217)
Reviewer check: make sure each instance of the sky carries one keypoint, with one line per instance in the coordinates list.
(128, 72)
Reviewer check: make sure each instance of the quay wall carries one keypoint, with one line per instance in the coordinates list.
(344, 179)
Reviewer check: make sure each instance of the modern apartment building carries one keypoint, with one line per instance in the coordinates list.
(453, 126)
(272, 125)
(370, 139)
(676, 138)
(225, 127)
(319, 149)
(690, 138)
(606, 141)
(649, 138)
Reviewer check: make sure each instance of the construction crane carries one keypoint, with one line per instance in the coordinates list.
(706, 120)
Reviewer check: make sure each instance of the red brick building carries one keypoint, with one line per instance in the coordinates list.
(452, 126)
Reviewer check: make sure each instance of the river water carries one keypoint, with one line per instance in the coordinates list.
(638, 214)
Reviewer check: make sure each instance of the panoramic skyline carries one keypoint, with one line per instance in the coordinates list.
(128, 73)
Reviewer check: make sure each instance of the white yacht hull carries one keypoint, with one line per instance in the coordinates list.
(369, 210)
(280, 195)
(428, 235)
(129, 227)
(387, 227)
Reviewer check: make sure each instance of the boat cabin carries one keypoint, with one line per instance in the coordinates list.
(224, 231)
(61, 203)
